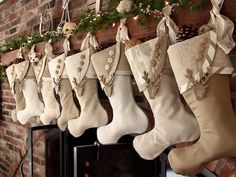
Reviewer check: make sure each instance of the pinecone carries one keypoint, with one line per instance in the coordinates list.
(18, 60)
(186, 32)
(132, 42)
(104, 45)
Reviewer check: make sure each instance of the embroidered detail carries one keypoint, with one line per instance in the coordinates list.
(35, 58)
(205, 28)
(13, 88)
(39, 85)
(80, 86)
(199, 87)
(22, 85)
(56, 84)
(153, 84)
(107, 84)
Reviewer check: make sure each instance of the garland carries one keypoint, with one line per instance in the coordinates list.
(2, 71)
(91, 21)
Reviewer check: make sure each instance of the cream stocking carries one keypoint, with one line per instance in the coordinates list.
(114, 73)
(84, 82)
(34, 107)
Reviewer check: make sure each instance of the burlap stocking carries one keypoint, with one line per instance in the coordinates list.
(63, 89)
(44, 81)
(200, 65)
(15, 89)
(150, 65)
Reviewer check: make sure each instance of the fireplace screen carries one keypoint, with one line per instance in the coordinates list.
(117, 160)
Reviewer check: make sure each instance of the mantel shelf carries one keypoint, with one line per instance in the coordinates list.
(180, 16)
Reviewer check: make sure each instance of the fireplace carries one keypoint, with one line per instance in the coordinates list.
(66, 156)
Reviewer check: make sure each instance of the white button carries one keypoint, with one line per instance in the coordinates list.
(23, 64)
(79, 69)
(153, 62)
(202, 49)
(203, 41)
(107, 67)
(82, 57)
(199, 57)
(22, 69)
(111, 52)
(158, 46)
(109, 60)
(21, 73)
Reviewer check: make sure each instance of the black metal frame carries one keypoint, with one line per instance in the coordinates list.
(31, 150)
(161, 165)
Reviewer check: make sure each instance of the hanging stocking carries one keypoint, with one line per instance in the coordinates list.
(44, 83)
(200, 66)
(63, 88)
(15, 88)
(150, 66)
(84, 82)
(114, 74)
(34, 107)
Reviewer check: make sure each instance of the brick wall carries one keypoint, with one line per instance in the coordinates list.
(19, 18)
(22, 17)
(13, 139)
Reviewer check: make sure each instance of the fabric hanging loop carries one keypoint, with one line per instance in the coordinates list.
(89, 41)
(122, 32)
(98, 6)
(65, 13)
(20, 53)
(223, 26)
(167, 23)
(66, 45)
(44, 11)
(48, 50)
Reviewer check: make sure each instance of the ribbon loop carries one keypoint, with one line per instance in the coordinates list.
(122, 32)
(20, 53)
(89, 41)
(65, 17)
(66, 45)
(223, 26)
(167, 25)
(48, 50)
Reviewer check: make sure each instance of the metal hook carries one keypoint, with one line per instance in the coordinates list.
(99, 145)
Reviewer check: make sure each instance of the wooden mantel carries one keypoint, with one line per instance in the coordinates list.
(180, 16)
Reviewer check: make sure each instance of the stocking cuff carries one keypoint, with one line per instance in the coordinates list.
(147, 61)
(22, 69)
(56, 67)
(78, 67)
(11, 75)
(196, 59)
(110, 62)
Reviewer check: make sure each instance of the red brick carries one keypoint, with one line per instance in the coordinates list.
(229, 168)
(12, 141)
(212, 165)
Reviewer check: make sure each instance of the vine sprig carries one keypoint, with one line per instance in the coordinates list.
(91, 21)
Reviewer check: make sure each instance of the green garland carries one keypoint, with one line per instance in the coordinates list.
(91, 21)
(2, 71)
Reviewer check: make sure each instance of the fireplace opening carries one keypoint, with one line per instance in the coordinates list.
(52, 153)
